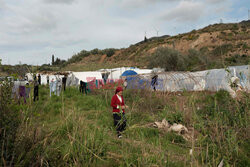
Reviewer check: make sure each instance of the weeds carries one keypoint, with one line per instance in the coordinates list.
(77, 130)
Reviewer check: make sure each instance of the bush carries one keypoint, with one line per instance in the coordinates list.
(195, 60)
(169, 59)
(109, 52)
(222, 49)
(237, 60)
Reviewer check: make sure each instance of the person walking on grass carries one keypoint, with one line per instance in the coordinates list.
(117, 103)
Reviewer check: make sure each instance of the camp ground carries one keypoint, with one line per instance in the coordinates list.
(231, 79)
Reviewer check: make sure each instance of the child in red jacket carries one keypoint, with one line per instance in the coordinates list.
(117, 103)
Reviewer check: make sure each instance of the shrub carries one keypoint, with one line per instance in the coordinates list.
(169, 59)
(222, 49)
(109, 52)
(195, 60)
(237, 60)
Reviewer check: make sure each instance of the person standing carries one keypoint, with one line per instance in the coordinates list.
(125, 83)
(154, 82)
(58, 86)
(81, 86)
(39, 79)
(47, 79)
(117, 103)
(85, 87)
(36, 90)
(64, 80)
(52, 87)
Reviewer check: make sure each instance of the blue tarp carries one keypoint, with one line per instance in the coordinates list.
(129, 73)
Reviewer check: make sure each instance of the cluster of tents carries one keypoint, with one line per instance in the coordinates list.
(230, 79)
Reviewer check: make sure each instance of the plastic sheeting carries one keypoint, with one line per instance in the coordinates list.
(75, 77)
(129, 72)
(231, 79)
(116, 73)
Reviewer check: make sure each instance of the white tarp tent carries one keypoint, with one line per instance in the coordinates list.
(116, 73)
(230, 79)
(143, 71)
(75, 77)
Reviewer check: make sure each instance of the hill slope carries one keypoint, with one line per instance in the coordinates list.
(227, 43)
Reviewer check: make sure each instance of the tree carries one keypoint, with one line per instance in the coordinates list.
(169, 59)
(53, 59)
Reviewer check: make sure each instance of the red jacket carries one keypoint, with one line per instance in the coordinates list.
(116, 102)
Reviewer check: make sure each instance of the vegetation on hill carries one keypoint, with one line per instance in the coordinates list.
(219, 45)
(77, 130)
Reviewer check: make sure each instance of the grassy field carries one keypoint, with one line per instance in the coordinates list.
(77, 130)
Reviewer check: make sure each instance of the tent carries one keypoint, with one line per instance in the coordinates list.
(143, 71)
(115, 73)
(128, 73)
(75, 77)
(230, 79)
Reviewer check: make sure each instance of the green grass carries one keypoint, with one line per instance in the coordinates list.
(77, 130)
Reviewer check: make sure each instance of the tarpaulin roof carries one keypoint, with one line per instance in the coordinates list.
(129, 73)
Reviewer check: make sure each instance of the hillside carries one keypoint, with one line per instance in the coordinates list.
(222, 44)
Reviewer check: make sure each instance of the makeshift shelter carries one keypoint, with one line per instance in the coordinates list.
(75, 77)
(115, 73)
(231, 79)
(143, 71)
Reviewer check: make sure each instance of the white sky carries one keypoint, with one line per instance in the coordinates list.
(32, 30)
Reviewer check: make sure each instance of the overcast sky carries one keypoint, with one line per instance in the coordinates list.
(32, 30)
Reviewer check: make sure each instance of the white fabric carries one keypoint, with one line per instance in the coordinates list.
(119, 97)
(44, 78)
(75, 77)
